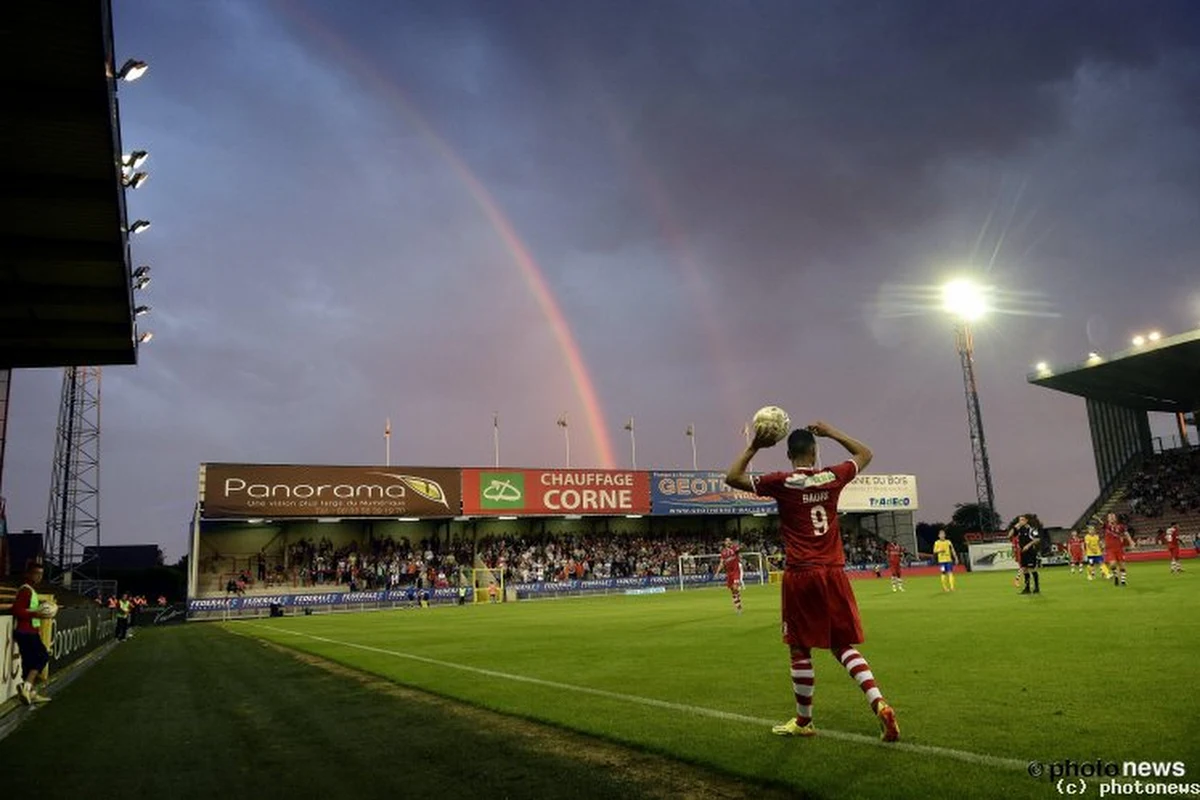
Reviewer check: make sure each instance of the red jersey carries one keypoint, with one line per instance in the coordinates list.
(894, 552)
(1114, 538)
(1075, 548)
(808, 520)
(1171, 537)
(731, 560)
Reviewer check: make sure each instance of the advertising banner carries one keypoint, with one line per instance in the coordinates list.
(879, 493)
(75, 632)
(236, 603)
(171, 614)
(491, 492)
(280, 490)
(539, 588)
(686, 492)
(991, 556)
(10, 660)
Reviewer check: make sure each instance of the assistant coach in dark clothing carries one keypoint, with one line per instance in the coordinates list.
(1029, 540)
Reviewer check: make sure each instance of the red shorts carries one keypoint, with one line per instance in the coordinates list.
(1173, 552)
(732, 578)
(819, 609)
(895, 568)
(1113, 556)
(1076, 558)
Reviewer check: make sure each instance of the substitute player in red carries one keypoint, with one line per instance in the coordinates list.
(1171, 538)
(819, 609)
(894, 553)
(1075, 551)
(1115, 539)
(731, 563)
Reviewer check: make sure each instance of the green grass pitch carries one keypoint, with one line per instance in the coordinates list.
(983, 680)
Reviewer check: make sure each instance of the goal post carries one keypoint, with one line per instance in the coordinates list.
(482, 582)
(700, 570)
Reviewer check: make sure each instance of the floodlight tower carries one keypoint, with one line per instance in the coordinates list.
(967, 302)
(73, 516)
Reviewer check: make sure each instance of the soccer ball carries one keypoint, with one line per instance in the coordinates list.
(47, 610)
(772, 421)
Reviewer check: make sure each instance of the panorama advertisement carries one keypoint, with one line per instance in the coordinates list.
(685, 492)
(563, 492)
(245, 491)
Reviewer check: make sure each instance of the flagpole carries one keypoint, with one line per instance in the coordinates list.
(632, 442)
(746, 433)
(562, 423)
(691, 434)
(496, 437)
(387, 441)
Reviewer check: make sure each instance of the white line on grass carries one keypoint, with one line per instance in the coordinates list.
(857, 738)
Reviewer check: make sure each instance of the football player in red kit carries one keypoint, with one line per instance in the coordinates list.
(1115, 539)
(731, 563)
(1075, 551)
(894, 552)
(819, 609)
(1171, 539)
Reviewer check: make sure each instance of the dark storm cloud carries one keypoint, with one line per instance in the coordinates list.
(724, 198)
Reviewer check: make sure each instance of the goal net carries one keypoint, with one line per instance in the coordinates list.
(700, 570)
(487, 585)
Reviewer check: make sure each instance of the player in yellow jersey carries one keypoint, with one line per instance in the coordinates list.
(946, 559)
(1092, 553)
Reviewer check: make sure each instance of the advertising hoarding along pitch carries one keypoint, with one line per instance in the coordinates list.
(686, 492)
(285, 490)
(879, 493)
(492, 492)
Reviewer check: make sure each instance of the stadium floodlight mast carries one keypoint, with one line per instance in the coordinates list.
(967, 302)
(562, 423)
(632, 443)
(691, 434)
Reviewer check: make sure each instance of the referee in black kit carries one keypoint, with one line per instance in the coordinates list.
(1029, 540)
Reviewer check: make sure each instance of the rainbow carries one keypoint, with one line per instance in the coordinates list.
(532, 274)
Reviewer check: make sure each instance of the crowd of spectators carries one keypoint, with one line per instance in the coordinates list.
(385, 563)
(389, 563)
(1167, 482)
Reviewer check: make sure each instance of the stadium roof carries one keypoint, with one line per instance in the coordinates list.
(65, 296)
(1158, 376)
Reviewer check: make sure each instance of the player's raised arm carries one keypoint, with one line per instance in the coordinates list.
(736, 475)
(859, 452)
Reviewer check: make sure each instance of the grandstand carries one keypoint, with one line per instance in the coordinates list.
(372, 537)
(1149, 483)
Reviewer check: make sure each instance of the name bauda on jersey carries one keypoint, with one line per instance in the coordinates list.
(815, 497)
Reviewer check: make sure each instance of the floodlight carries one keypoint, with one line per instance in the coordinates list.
(964, 299)
(145, 337)
(132, 69)
(1154, 336)
(140, 310)
(135, 180)
(139, 226)
(1139, 340)
(1042, 366)
(134, 160)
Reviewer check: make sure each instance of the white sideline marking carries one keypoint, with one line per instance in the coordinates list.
(858, 738)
